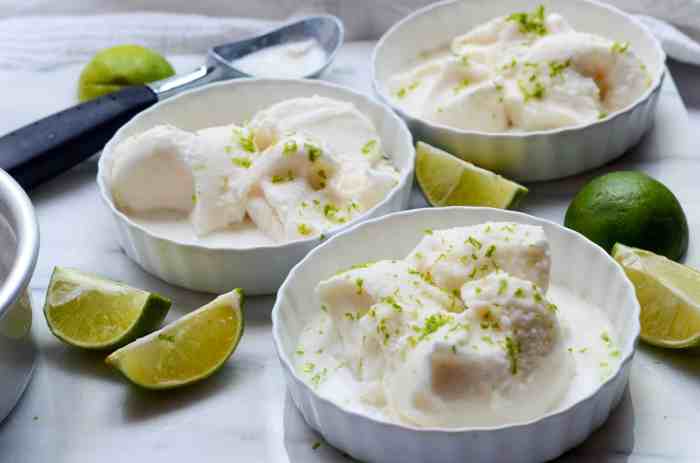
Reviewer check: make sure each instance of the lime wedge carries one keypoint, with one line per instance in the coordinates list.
(87, 311)
(187, 350)
(669, 295)
(449, 181)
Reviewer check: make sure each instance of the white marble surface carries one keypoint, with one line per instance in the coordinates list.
(76, 410)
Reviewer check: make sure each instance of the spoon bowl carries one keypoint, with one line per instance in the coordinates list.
(326, 30)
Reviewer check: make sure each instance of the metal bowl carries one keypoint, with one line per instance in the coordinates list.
(19, 248)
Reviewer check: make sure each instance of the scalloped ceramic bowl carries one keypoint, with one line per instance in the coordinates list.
(577, 264)
(261, 269)
(528, 156)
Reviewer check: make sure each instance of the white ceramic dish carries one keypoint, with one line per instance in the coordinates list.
(531, 156)
(19, 248)
(257, 270)
(577, 264)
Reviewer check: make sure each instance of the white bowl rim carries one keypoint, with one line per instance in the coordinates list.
(657, 81)
(627, 353)
(405, 176)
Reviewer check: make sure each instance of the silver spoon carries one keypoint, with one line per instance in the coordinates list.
(39, 151)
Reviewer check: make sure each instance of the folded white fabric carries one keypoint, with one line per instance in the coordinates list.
(33, 36)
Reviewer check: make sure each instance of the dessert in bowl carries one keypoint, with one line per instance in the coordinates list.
(235, 182)
(534, 94)
(493, 327)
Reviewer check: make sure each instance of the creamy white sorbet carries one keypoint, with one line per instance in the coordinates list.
(296, 170)
(466, 331)
(523, 72)
(297, 59)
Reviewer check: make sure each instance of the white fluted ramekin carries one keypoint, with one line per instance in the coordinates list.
(528, 156)
(260, 269)
(577, 264)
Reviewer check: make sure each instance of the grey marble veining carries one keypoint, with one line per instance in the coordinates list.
(76, 410)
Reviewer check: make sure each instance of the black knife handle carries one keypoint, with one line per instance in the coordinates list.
(40, 151)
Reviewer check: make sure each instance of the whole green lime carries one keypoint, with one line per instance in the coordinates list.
(115, 68)
(633, 209)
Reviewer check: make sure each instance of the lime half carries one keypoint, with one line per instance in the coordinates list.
(187, 350)
(449, 181)
(669, 295)
(114, 68)
(87, 311)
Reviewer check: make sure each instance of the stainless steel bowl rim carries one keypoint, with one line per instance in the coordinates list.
(23, 221)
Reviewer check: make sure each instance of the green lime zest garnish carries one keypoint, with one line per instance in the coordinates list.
(304, 229)
(461, 86)
(290, 147)
(330, 211)
(536, 91)
(513, 63)
(392, 302)
(245, 163)
(359, 282)
(318, 377)
(404, 90)
(530, 22)
(282, 178)
(474, 242)
(308, 367)
(383, 330)
(369, 147)
(512, 350)
(314, 151)
(432, 324)
(491, 249)
(556, 68)
(620, 47)
(246, 141)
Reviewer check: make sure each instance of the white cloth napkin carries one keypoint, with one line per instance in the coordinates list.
(41, 34)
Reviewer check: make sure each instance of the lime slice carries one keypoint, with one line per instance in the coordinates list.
(187, 350)
(94, 313)
(669, 294)
(449, 181)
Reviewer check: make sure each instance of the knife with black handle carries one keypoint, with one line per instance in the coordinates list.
(41, 150)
